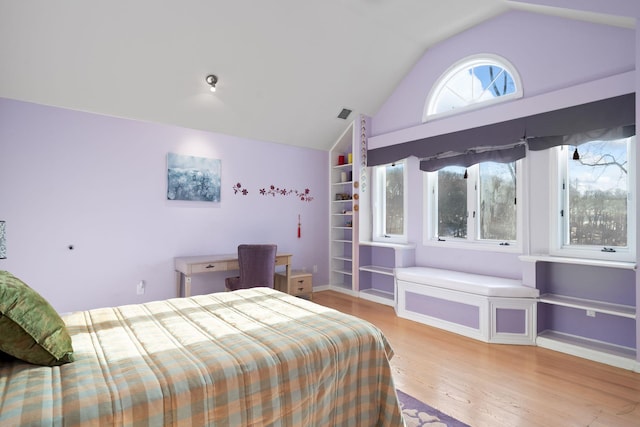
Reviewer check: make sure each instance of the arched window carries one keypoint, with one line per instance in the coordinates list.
(475, 81)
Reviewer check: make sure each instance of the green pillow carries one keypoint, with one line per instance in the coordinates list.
(30, 328)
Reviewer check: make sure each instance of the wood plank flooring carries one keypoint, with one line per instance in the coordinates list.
(498, 385)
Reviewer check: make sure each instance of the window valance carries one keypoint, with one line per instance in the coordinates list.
(501, 154)
(550, 129)
(504, 141)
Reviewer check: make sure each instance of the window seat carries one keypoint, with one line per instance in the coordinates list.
(466, 282)
(487, 308)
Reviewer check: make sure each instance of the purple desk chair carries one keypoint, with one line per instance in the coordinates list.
(257, 267)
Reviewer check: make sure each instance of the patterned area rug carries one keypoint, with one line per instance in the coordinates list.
(419, 414)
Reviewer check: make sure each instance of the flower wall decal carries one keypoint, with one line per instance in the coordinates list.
(274, 191)
(238, 189)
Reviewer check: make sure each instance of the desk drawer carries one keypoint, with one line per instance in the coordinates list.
(235, 265)
(283, 259)
(209, 266)
(299, 285)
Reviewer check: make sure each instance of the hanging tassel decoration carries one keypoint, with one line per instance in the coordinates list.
(576, 155)
(299, 225)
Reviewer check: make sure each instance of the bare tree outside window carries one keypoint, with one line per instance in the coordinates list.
(394, 199)
(497, 201)
(485, 201)
(598, 188)
(452, 202)
(472, 82)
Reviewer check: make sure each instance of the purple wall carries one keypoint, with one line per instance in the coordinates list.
(561, 63)
(548, 52)
(511, 321)
(612, 285)
(604, 327)
(99, 183)
(452, 311)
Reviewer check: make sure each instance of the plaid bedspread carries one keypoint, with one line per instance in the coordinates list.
(254, 357)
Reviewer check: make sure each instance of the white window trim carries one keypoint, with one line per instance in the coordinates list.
(556, 203)
(430, 237)
(377, 195)
(471, 61)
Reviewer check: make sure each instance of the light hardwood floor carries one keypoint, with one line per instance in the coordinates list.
(497, 385)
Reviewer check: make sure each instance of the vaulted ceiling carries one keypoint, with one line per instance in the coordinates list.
(285, 67)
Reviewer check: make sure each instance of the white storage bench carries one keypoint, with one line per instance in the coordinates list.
(490, 309)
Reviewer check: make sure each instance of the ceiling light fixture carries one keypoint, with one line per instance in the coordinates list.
(212, 80)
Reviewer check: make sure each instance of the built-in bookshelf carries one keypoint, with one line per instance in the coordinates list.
(344, 213)
(586, 307)
(378, 262)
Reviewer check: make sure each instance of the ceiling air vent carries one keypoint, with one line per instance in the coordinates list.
(344, 114)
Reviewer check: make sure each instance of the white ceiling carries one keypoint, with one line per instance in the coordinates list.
(286, 67)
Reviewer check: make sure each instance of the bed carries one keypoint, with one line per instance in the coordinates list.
(253, 357)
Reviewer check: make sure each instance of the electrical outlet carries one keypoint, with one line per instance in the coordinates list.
(315, 268)
(140, 288)
(591, 313)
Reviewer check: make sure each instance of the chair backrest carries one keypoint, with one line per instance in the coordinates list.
(257, 265)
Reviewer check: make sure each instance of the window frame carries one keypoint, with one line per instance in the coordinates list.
(378, 206)
(430, 219)
(470, 62)
(557, 203)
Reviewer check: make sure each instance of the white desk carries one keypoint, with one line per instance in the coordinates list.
(189, 265)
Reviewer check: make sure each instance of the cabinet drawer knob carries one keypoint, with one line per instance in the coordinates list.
(210, 266)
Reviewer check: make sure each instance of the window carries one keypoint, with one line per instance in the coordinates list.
(497, 201)
(389, 203)
(479, 209)
(452, 202)
(471, 83)
(594, 215)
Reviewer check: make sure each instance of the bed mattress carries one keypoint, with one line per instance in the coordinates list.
(253, 357)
